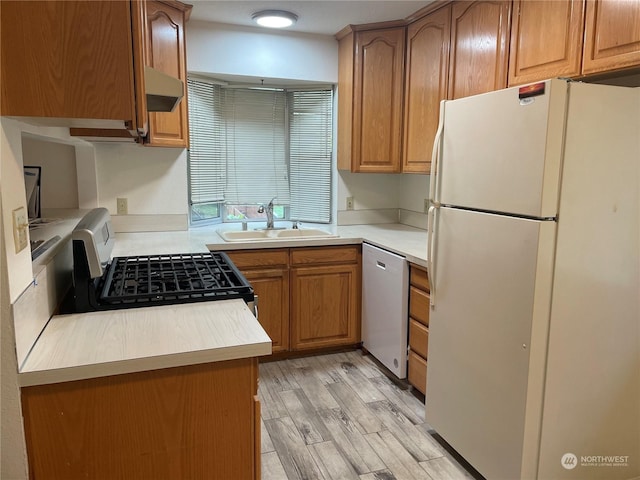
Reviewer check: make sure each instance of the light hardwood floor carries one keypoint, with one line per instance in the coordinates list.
(338, 417)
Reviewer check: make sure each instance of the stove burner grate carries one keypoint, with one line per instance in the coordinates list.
(173, 278)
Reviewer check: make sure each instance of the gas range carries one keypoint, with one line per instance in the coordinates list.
(104, 283)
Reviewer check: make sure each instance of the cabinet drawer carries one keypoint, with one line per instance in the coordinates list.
(325, 255)
(419, 278)
(419, 305)
(248, 259)
(418, 338)
(417, 372)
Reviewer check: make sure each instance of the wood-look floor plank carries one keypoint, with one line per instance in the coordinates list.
(304, 416)
(445, 468)
(279, 374)
(350, 442)
(271, 467)
(293, 393)
(266, 445)
(352, 375)
(404, 400)
(364, 362)
(398, 460)
(331, 463)
(414, 441)
(314, 388)
(270, 402)
(296, 459)
(380, 475)
(351, 403)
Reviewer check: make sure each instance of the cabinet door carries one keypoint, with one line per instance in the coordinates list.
(272, 289)
(425, 85)
(378, 87)
(68, 60)
(166, 52)
(479, 43)
(325, 306)
(546, 40)
(612, 37)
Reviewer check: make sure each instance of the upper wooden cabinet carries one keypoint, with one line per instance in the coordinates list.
(81, 64)
(546, 40)
(612, 36)
(166, 52)
(426, 76)
(479, 47)
(68, 60)
(370, 76)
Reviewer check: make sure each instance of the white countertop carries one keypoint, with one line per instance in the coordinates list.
(404, 240)
(89, 345)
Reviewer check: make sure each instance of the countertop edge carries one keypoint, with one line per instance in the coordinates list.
(85, 372)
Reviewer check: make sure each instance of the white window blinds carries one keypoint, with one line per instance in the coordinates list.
(310, 155)
(207, 168)
(250, 145)
(255, 146)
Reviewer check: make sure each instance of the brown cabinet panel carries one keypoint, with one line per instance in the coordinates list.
(166, 52)
(417, 372)
(419, 305)
(248, 259)
(325, 304)
(346, 55)
(325, 255)
(479, 47)
(272, 289)
(183, 422)
(419, 278)
(418, 338)
(53, 68)
(426, 76)
(612, 36)
(377, 100)
(546, 39)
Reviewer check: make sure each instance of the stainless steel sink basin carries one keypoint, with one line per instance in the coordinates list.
(262, 235)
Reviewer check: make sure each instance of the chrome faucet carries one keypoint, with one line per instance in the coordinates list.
(269, 211)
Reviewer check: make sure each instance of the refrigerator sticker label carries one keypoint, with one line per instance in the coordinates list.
(533, 90)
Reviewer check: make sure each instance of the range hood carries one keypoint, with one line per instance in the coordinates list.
(163, 91)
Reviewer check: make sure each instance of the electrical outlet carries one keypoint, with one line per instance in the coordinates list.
(349, 203)
(426, 205)
(122, 206)
(20, 227)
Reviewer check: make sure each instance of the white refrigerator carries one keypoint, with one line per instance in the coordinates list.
(534, 333)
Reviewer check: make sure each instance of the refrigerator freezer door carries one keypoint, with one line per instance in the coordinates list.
(385, 279)
(501, 153)
(592, 394)
(487, 335)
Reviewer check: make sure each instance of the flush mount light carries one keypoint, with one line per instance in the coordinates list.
(274, 18)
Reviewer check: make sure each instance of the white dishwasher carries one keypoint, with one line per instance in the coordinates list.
(385, 279)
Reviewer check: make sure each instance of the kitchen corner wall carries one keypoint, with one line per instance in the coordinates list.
(382, 198)
(153, 180)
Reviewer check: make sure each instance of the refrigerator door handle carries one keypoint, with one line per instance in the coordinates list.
(436, 157)
(430, 239)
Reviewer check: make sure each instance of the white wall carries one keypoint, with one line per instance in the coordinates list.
(214, 48)
(154, 180)
(59, 186)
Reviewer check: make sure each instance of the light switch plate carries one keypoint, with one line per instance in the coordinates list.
(20, 227)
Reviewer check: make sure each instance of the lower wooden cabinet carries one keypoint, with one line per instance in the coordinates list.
(418, 327)
(268, 273)
(308, 298)
(197, 421)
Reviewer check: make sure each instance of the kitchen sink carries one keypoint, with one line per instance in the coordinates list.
(275, 234)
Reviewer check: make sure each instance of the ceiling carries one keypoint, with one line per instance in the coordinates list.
(317, 17)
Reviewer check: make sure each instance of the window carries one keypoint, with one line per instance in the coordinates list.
(249, 146)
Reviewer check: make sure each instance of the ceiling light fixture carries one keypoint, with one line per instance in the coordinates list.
(274, 18)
